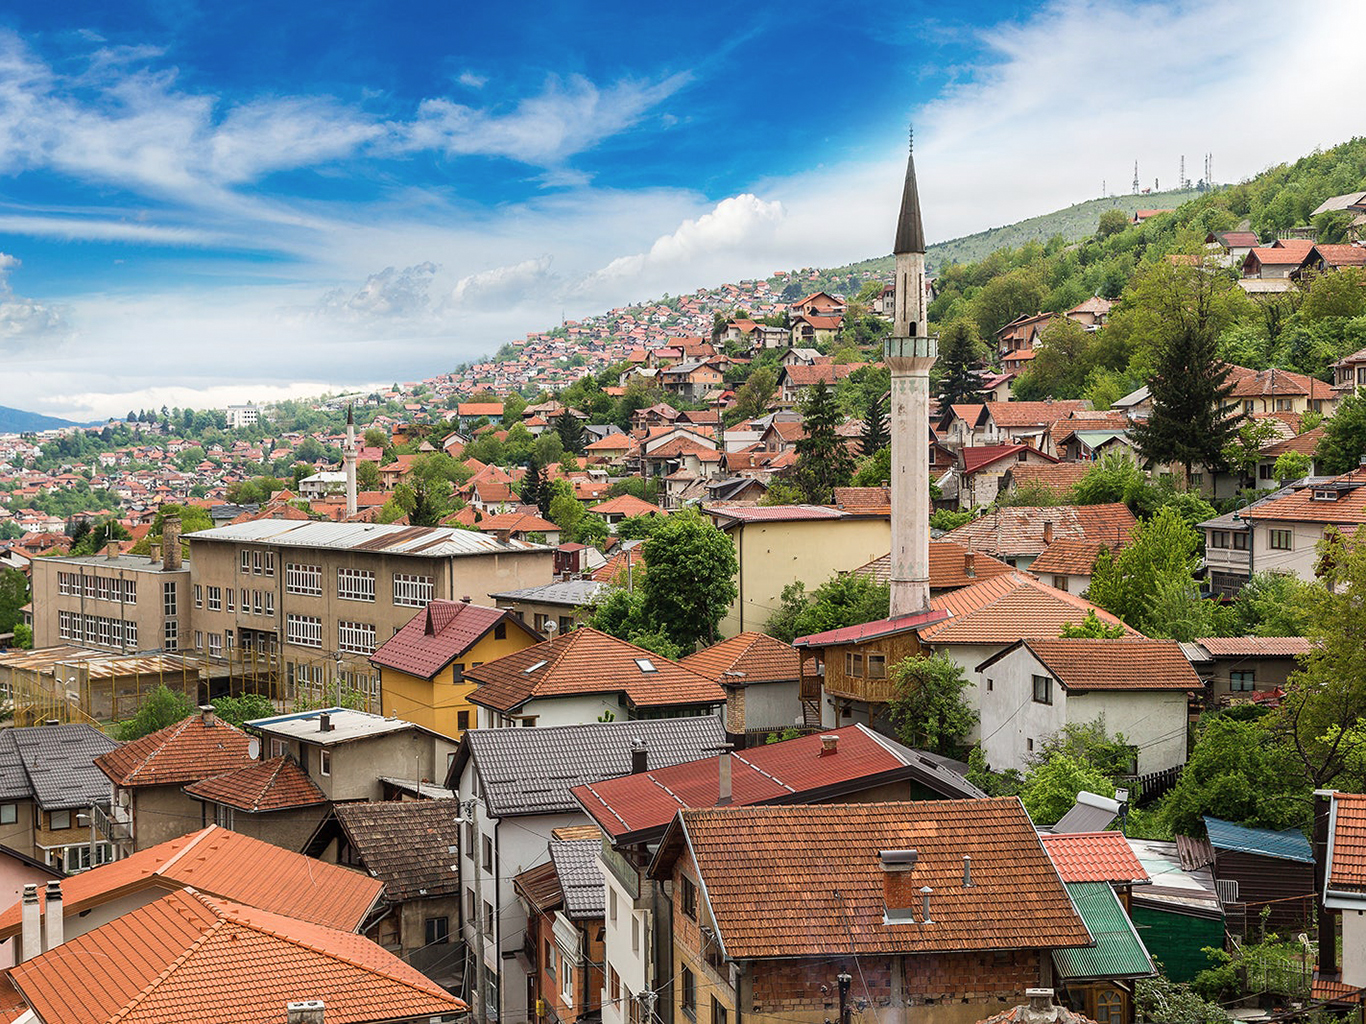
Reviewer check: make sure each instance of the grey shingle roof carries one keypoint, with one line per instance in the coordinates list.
(576, 864)
(531, 771)
(406, 844)
(54, 764)
(571, 593)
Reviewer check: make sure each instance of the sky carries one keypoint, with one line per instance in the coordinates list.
(213, 203)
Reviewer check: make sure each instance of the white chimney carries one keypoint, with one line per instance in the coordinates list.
(724, 794)
(52, 916)
(206, 715)
(304, 1011)
(31, 929)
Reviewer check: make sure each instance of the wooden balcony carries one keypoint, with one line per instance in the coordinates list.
(859, 688)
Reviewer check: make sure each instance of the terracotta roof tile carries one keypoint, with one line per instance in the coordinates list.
(1301, 506)
(1069, 557)
(1057, 478)
(948, 566)
(864, 500)
(1017, 530)
(274, 785)
(540, 886)
(1030, 414)
(1306, 444)
(406, 844)
(437, 635)
(1127, 663)
(187, 954)
(977, 457)
(1094, 857)
(231, 865)
(1022, 1015)
(1255, 646)
(1342, 255)
(583, 661)
(746, 658)
(786, 881)
(1347, 863)
(1007, 608)
(625, 505)
(184, 752)
(517, 522)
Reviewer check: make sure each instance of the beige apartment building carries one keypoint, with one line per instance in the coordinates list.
(124, 603)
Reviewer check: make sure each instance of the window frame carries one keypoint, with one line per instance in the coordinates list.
(1046, 689)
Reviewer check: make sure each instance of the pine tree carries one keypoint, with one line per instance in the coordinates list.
(823, 459)
(569, 428)
(875, 433)
(534, 490)
(960, 350)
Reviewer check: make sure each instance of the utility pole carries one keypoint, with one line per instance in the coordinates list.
(647, 1006)
(845, 982)
(480, 1014)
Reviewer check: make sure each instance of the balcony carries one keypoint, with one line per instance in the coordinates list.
(859, 688)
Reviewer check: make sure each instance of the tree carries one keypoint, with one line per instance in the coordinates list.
(367, 476)
(1344, 437)
(570, 431)
(23, 636)
(533, 487)
(1051, 787)
(159, 708)
(780, 492)
(13, 596)
(1113, 477)
(1271, 604)
(691, 582)
(1190, 422)
(842, 600)
(1162, 552)
(875, 435)
(1062, 363)
(1092, 627)
(823, 459)
(423, 500)
(591, 529)
(751, 400)
(928, 708)
(374, 437)
(1112, 222)
(638, 527)
(1290, 465)
(564, 510)
(960, 351)
(1243, 452)
(240, 710)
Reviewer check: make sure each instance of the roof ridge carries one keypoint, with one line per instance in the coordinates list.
(146, 760)
(204, 833)
(270, 782)
(204, 936)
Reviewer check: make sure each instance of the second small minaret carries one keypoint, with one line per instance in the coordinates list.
(349, 460)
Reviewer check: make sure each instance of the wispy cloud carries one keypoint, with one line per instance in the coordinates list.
(25, 322)
(503, 286)
(389, 295)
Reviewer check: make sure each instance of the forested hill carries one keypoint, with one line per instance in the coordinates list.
(18, 421)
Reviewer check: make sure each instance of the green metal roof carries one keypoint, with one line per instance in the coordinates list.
(1118, 952)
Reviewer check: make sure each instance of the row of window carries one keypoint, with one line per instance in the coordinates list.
(1277, 540)
(254, 602)
(258, 563)
(103, 588)
(358, 585)
(876, 664)
(97, 629)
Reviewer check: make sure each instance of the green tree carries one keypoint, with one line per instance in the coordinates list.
(570, 431)
(960, 352)
(638, 527)
(823, 459)
(367, 476)
(14, 595)
(1344, 437)
(1114, 477)
(1051, 787)
(1062, 363)
(843, 600)
(1112, 222)
(374, 437)
(1093, 627)
(159, 708)
(591, 529)
(564, 509)
(691, 582)
(875, 435)
(1272, 604)
(928, 708)
(780, 492)
(240, 710)
(23, 636)
(1243, 452)
(874, 470)
(1089, 744)
(1289, 466)
(1190, 422)
(425, 501)
(1162, 551)
(533, 487)
(751, 400)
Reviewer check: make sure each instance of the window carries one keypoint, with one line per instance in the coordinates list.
(877, 666)
(355, 585)
(462, 720)
(548, 957)
(437, 930)
(1264, 470)
(613, 984)
(222, 815)
(215, 599)
(198, 596)
(632, 1006)
(245, 560)
(256, 563)
(469, 845)
(1043, 689)
(488, 853)
(500, 631)
(1109, 1007)
(469, 904)
(687, 993)
(991, 685)
(1281, 540)
(58, 820)
(688, 896)
(170, 635)
(9, 814)
(612, 904)
(230, 596)
(718, 1011)
(198, 639)
(303, 579)
(215, 645)
(635, 934)
(645, 665)
(853, 665)
(304, 630)
(269, 602)
(566, 979)
(1218, 538)
(1239, 541)
(325, 762)
(268, 561)
(227, 637)
(356, 637)
(1029, 746)
(412, 591)
(277, 745)
(168, 601)
(488, 917)
(1241, 682)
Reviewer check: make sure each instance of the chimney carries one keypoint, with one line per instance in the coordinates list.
(830, 745)
(1047, 532)
(304, 1011)
(640, 757)
(1041, 1009)
(31, 924)
(967, 872)
(324, 722)
(206, 714)
(969, 563)
(52, 913)
(898, 885)
(111, 550)
(723, 773)
(925, 892)
(170, 542)
(154, 553)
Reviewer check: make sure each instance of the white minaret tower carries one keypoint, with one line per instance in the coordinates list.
(349, 459)
(910, 352)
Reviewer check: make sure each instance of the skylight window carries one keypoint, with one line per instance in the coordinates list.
(646, 665)
(532, 668)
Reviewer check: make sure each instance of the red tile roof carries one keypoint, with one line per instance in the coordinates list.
(1094, 857)
(277, 784)
(587, 661)
(1347, 864)
(1255, 646)
(802, 881)
(625, 505)
(864, 500)
(440, 633)
(948, 566)
(918, 621)
(1017, 530)
(773, 513)
(746, 658)
(979, 456)
(191, 956)
(184, 752)
(1007, 608)
(1301, 505)
(223, 863)
(1127, 663)
(517, 522)
(1069, 558)
(1029, 414)
(1275, 382)
(1342, 255)
(1057, 478)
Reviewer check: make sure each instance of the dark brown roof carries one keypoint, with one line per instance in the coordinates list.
(1126, 663)
(437, 635)
(406, 844)
(278, 784)
(540, 886)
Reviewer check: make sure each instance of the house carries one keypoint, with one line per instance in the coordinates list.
(1141, 215)
(1257, 868)
(810, 329)
(467, 414)
(1017, 534)
(954, 906)
(957, 425)
(422, 666)
(624, 506)
(347, 754)
(48, 779)
(1267, 269)
(408, 846)
(583, 675)
(1023, 422)
(1237, 244)
(555, 607)
(952, 567)
(1284, 531)
(519, 781)
(148, 775)
(1324, 259)
(982, 468)
(1237, 667)
(817, 304)
(565, 904)
(1349, 373)
(215, 862)
(1035, 688)
(760, 678)
(767, 540)
(794, 380)
(521, 526)
(1069, 564)
(1179, 913)
(1023, 334)
(273, 800)
(223, 962)
(1340, 856)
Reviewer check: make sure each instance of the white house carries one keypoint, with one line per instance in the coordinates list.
(1034, 688)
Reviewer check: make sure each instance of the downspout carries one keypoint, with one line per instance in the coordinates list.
(741, 574)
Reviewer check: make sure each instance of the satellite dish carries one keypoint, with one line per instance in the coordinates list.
(551, 626)
(253, 748)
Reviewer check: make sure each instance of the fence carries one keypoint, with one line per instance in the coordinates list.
(1147, 788)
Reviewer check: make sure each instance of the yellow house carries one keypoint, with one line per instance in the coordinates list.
(422, 666)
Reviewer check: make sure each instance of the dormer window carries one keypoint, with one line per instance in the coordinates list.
(1326, 495)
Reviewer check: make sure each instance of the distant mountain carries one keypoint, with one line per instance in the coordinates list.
(18, 421)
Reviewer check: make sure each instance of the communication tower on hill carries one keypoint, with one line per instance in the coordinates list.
(1135, 177)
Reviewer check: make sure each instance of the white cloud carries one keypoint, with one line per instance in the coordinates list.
(515, 284)
(472, 81)
(389, 295)
(25, 323)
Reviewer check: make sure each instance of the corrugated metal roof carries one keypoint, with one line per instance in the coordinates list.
(423, 541)
(1288, 844)
(1118, 951)
(571, 593)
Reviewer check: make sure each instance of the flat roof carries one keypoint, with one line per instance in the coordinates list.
(346, 725)
(570, 593)
(414, 541)
(138, 563)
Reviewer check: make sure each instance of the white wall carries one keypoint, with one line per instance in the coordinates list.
(968, 657)
(1152, 720)
(629, 963)
(576, 710)
(1354, 948)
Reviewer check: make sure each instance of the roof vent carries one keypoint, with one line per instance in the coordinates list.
(324, 722)
(897, 860)
(830, 744)
(532, 668)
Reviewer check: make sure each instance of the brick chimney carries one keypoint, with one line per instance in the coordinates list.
(830, 745)
(111, 550)
(1041, 1008)
(898, 885)
(304, 1011)
(640, 757)
(170, 543)
(1047, 531)
(53, 922)
(324, 722)
(206, 715)
(969, 563)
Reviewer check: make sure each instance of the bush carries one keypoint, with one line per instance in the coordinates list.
(160, 708)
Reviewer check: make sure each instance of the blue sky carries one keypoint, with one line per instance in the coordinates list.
(209, 203)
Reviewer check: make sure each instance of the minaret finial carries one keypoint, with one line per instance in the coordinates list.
(911, 147)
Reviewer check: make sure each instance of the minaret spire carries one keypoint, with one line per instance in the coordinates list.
(910, 231)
